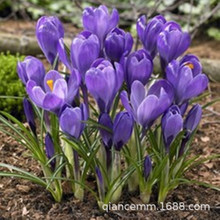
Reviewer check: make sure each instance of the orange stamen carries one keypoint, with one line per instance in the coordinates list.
(50, 84)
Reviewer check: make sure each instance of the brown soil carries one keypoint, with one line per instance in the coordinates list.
(20, 199)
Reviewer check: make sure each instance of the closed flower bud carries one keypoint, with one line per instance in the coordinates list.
(118, 44)
(31, 69)
(172, 42)
(48, 31)
(122, 129)
(172, 124)
(49, 147)
(148, 32)
(147, 166)
(29, 113)
(99, 21)
(138, 66)
(103, 82)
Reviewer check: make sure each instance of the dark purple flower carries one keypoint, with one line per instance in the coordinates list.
(99, 21)
(118, 44)
(29, 113)
(106, 121)
(172, 124)
(147, 108)
(71, 120)
(186, 78)
(190, 124)
(103, 82)
(56, 91)
(48, 31)
(148, 32)
(49, 147)
(31, 69)
(147, 167)
(172, 42)
(138, 66)
(122, 129)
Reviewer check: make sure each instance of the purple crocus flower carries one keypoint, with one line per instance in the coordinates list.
(71, 120)
(85, 49)
(31, 69)
(172, 42)
(29, 113)
(103, 82)
(190, 124)
(55, 92)
(148, 32)
(147, 108)
(172, 124)
(186, 78)
(138, 66)
(99, 21)
(122, 129)
(48, 32)
(118, 44)
(49, 147)
(147, 167)
(107, 136)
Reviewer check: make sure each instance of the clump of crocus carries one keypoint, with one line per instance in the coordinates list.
(90, 137)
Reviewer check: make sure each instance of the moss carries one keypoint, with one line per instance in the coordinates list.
(10, 85)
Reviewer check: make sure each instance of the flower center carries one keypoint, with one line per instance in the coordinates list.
(190, 65)
(50, 84)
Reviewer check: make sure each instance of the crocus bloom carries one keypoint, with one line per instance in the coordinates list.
(122, 129)
(147, 166)
(138, 66)
(146, 108)
(172, 124)
(190, 124)
(71, 120)
(85, 49)
(103, 82)
(99, 21)
(172, 42)
(106, 121)
(48, 31)
(49, 147)
(148, 32)
(31, 69)
(56, 91)
(118, 44)
(186, 78)
(29, 113)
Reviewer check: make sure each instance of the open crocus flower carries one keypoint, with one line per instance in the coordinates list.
(85, 49)
(48, 32)
(31, 69)
(172, 42)
(146, 108)
(186, 78)
(172, 124)
(138, 66)
(103, 82)
(118, 44)
(99, 21)
(55, 92)
(148, 32)
(71, 120)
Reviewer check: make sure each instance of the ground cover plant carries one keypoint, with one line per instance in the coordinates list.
(138, 134)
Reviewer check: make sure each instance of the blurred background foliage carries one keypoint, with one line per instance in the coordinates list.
(194, 15)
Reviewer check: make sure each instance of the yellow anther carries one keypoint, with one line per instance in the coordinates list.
(190, 65)
(50, 84)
